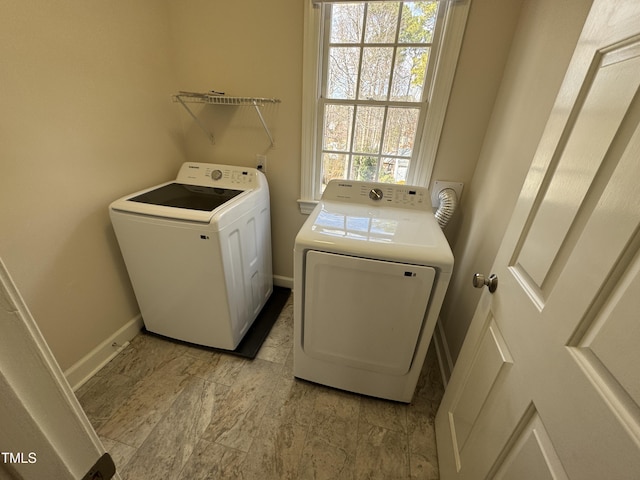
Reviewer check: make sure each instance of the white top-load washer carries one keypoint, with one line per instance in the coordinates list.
(198, 252)
(371, 268)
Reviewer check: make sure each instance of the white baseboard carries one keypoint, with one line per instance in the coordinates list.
(280, 281)
(443, 353)
(97, 358)
(78, 374)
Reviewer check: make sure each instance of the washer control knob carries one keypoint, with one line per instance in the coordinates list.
(375, 194)
(216, 174)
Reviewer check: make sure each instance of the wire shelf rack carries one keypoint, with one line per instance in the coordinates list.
(220, 99)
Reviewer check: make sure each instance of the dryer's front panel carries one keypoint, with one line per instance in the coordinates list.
(364, 313)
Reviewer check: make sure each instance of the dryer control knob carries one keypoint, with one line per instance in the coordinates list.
(216, 174)
(375, 194)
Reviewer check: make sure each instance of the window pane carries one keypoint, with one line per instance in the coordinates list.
(343, 72)
(409, 74)
(400, 131)
(376, 71)
(346, 22)
(418, 22)
(382, 22)
(368, 129)
(364, 168)
(337, 127)
(393, 170)
(334, 165)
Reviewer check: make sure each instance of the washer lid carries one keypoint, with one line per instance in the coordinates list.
(202, 192)
(192, 197)
(187, 202)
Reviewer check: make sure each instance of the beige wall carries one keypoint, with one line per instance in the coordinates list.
(544, 40)
(85, 117)
(485, 47)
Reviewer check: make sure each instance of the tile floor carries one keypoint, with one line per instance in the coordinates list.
(169, 411)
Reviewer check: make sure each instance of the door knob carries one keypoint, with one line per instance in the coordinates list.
(479, 281)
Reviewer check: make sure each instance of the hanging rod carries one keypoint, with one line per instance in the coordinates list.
(219, 99)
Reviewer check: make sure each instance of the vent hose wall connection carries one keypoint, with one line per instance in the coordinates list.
(448, 201)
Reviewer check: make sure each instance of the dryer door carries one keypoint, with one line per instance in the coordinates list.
(364, 313)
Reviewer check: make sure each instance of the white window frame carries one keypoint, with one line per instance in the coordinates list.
(453, 17)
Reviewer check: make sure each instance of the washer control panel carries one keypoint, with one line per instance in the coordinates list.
(214, 175)
(382, 194)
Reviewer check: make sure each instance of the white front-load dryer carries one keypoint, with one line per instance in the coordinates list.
(371, 268)
(198, 252)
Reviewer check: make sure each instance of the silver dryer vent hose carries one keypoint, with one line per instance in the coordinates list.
(448, 201)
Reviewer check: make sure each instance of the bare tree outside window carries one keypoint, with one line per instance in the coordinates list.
(375, 79)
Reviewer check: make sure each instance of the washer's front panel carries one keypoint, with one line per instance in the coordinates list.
(176, 271)
(363, 313)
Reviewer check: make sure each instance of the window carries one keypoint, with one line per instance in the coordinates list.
(373, 71)
(375, 59)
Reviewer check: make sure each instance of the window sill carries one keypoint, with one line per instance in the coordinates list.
(307, 206)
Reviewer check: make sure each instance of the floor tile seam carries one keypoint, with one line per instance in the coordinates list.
(195, 430)
(350, 456)
(216, 401)
(105, 420)
(101, 436)
(307, 438)
(387, 428)
(276, 372)
(119, 466)
(137, 447)
(224, 446)
(299, 454)
(187, 461)
(359, 422)
(208, 379)
(408, 452)
(102, 378)
(162, 413)
(262, 415)
(279, 365)
(217, 386)
(187, 433)
(406, 439)
(239, 418)
(404, 429)
(245, 453)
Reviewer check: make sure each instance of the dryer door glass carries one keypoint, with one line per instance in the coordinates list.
(364, 313)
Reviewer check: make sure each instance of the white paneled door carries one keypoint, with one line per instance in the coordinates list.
(547, 385)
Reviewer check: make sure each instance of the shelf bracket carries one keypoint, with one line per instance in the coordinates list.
(264, 124)
(215, 99)
(209, 135)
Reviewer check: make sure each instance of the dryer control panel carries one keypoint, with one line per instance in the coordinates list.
(381, 194)
(214, 175)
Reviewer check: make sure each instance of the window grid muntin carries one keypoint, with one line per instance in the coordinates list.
(324, 100)
(351, 152)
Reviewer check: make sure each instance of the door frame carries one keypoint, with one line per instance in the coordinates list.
(43, 425)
